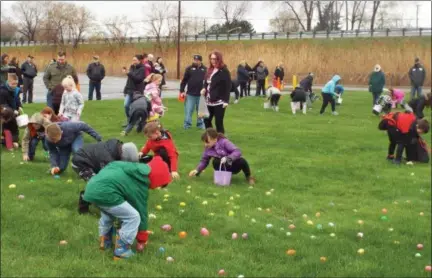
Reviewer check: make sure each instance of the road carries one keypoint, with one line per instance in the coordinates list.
(112, 88)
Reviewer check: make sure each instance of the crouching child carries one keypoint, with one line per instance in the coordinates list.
(34, 132)
(91, 158)
(139, 112)
(121, 191)
(298, 99)
(273, 95)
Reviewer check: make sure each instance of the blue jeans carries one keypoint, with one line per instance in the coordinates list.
(127, 103)
(127, 215)
(191, 104)
(375, 97)
(33, 144)
(49, 99)
(92, 86)
(415, 89)
(60, 156)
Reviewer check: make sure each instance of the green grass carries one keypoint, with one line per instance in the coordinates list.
(332, 165)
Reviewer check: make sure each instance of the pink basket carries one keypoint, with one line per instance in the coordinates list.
(222, 178)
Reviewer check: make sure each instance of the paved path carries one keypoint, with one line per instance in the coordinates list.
(112, 88)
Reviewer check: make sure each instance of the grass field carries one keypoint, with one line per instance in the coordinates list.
(332, 165)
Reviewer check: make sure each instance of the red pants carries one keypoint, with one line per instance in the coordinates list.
(7, 139)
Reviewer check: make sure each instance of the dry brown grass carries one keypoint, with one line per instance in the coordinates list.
(353, 59)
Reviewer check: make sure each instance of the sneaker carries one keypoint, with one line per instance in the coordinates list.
(335, 113)
(236, 101)
(277, 108)
(106, 241)
(251, 180)
(122, 250)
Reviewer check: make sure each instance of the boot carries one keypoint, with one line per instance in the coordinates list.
(83, 206)
(106, 240)
(122, 249)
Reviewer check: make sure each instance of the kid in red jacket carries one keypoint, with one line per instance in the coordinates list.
(404, 132)
(161, 143)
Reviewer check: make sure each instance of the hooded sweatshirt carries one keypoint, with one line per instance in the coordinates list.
(329, 88)
(152, 92)
(30, 132)
(222, 148)
(122, 181)
(139, 102)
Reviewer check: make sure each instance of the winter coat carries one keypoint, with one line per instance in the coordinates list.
(135, 79)
(242, 74)
(96, 72)
(376, 82)
(152, 93)
(57, 94)
(4, 70)
(30, 132)
(272, 91)
(261, 73)
(306, 83)
(339, 89)
(29, 70)
(417, 75)
(219, 86)
(139, 102)
(329, 88)
(418, 105)
(398, 95)
(10, 97)
(18, 73)
(194, 80)
(279, 73)
(298, 94)
(222, 148)
(120, 182)
(166, 142)
(159, 68)
(55, 73)
(96, 156)
(72, 104)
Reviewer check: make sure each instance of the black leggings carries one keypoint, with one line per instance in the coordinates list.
(328, 98)
(236, 92)
(237, 165)
(162, 152)
(219, 113)
(274, 100)
(243, 89)
(249, 87)
(140, 117)
(260, 87)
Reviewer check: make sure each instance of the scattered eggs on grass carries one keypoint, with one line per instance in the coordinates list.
(361, 251)
(12, 186)
(291, 252)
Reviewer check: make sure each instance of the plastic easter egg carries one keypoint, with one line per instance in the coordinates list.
(268, 210)
(12, 186)
(291, 252)
(288, 233)
(318, 214)
(309, 222)
(390, 229)
(182, 204)
(170, 259)
(166, 195)
(231, 213)
(269, 226)
(384, 210)
(428, 268)
(63, 242)
(21, 197)
(421, 213)
(204, 232)
(221, 272)
(204, 202)
(360, 235)
(384, 218)
(323, 259)
(56, 176)
(161, 250)
(418, 255)
(291, 226)
(268, 193)
(332, 234)
(231, 198)
(331, 224)
(361, 251)
(245, 236)
(419, 246)
(360, 222)
(319, 227)
(152, 216)
(234, 236)
(253, 220)
(158, 207)
(260, 209)
(305, 216)
(182, 234)
(166, 227)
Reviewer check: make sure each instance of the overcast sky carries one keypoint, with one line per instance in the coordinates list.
(259, 14)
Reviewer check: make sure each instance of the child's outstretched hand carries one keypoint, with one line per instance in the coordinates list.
(140, 155)
(55, 170)
(193, 173)
(175, 175)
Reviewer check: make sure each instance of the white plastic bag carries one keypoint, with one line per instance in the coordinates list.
(339, 100)
(266, 105)
(202, 108)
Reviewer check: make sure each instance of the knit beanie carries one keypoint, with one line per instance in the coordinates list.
(159, 172)
(129, 152)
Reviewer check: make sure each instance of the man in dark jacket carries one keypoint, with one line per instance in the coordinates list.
(91, 158)
(135, 79)
(261, 75)
(139, 111)
(29, 71)
(251, 78)
(194, 79)
(96, 73)
(243, 79)
(417, 76)
(64, 138)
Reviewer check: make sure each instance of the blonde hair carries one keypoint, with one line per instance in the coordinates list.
(152, 127)
(243, 63)
(280, 64)
(69, 81)
(153, 77)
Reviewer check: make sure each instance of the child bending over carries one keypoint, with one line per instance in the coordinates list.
(152, 92)
(298, 99)
(397, 97)
(139, 111)
(223, 152)
(274, 95)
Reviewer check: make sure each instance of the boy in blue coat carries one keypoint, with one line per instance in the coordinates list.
(328, 94)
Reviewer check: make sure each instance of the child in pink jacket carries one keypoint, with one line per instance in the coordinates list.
(152, 92)
(397, 96)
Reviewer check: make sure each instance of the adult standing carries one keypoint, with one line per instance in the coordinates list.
(278, 77)
(147, 66)
(159, 68)
(217, 87)
(150, 58)
(376, 83)
(242, 78)
(15, 64)
(417, 76)
(261, 75)
(251, 77)
(56, 72)
(135, 81)
(29, 71)
(193, 78)
(96, 73)
(5, 69)
(306, 83)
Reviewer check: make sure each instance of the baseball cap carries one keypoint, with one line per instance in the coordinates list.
(197, 57)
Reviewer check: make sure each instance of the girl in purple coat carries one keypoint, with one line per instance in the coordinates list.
(223, 152)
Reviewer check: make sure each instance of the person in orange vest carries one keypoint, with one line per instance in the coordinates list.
(278, 77)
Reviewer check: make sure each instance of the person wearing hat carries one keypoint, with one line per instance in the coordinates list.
(193, 79)
(29, 71)
(121, 190)
(376, 83)
(91, 158)
(417, 76)
(96, 73)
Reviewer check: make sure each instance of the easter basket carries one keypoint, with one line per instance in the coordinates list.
(22, 120)
(222, 177)
(267, 105)
(339, 100)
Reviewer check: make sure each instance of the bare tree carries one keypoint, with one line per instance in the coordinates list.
(8, 29)
(284, 22)
(361, 17)
(79, 24)
(57, 21)
(376, 5)
(306, 7)
(356, 13)
(29, 15)
(232, 10)
(162, 19)
(118, 29)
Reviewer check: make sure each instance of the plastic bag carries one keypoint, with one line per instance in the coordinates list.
(202, 108)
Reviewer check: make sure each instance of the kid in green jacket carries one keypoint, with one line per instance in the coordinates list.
(120, 190)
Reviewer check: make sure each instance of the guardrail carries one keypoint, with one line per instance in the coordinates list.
(403, 32)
